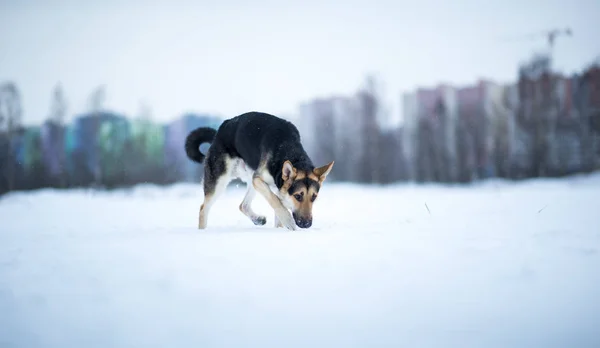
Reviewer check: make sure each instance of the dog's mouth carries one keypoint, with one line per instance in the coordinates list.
(301, 221)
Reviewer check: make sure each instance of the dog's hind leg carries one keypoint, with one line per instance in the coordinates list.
(246, 207)
(216, 178)
(210, 197)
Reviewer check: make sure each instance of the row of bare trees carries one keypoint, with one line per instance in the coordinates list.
(348, 129)
(533, 133)
(34, 157)
(549, 126)
(11, 114)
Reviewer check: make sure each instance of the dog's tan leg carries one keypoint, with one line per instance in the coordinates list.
(202, 215)
(246, 207)
(277, 222)
(209, 200)
(280, 211)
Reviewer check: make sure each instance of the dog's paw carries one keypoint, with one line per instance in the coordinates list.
(283, 218)
(259, 220)
(290, 224)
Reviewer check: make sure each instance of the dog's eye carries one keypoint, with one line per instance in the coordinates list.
(314, 196)
(298, 197)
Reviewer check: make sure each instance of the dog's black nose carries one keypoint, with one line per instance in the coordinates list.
(304, 223)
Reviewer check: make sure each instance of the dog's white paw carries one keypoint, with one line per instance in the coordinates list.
(277, 224)
(288, 222)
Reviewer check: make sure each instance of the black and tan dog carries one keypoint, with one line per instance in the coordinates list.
(264, 151)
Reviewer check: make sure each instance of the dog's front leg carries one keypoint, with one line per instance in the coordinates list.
(281, 213)
(278, 223)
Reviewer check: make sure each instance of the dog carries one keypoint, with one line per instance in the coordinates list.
(265, 152)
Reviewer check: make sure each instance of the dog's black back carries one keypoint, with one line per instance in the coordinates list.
(251, 136)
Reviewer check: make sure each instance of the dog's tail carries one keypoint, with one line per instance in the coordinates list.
(196, 138)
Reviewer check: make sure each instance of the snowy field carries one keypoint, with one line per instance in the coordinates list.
(492, 265)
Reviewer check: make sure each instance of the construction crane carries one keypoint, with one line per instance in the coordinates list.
(549, 35)
(542, 61)
(553, 34)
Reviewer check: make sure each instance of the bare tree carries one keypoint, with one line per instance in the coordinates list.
(97, 99)
(324, 131)
(10, 106)
(58, 106)
(348, 145)
(589, 116)
(58, 112)
(536, 85)
(96, 105)
(371, 113)
(501, 136)
(11, 113)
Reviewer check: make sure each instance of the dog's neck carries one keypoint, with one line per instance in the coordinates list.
(297, 156)
(303, 164)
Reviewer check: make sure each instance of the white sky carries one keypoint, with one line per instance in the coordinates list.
(234, 57)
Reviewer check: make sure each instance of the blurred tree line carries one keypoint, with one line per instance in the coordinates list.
(98, 149)
(542, 125)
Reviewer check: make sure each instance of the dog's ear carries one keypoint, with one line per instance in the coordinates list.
(288, 171)
(323, 171)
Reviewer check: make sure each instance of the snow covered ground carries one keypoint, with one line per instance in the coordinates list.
(493, 265)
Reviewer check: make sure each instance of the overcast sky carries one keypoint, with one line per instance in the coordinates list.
(229, 58)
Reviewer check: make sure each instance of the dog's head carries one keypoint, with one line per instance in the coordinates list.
(300, 190)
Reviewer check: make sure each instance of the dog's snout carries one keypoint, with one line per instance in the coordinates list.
(303, 222)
